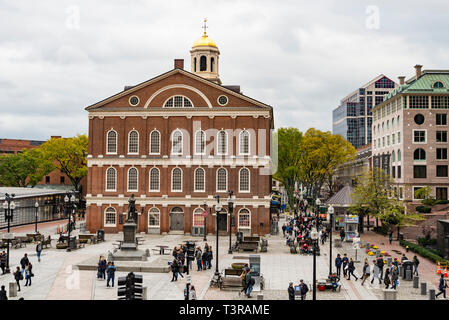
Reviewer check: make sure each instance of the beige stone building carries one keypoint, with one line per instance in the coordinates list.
(410, 134)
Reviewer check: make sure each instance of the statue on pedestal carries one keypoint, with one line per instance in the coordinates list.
(131, 209)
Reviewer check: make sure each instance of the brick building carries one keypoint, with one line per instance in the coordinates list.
(175, 142)
(410, 134)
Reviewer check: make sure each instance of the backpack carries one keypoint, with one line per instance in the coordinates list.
(252, 281)
(20, 276)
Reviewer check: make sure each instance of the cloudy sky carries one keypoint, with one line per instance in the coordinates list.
(301, 57)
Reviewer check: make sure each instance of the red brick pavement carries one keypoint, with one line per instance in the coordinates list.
(44, 227)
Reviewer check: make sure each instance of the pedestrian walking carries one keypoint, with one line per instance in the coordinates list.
(38, 251)
(198, 257)
(404, 258)
(351, 269)
(101, 270)
(442, 287)
(387, 280)
(390, 236)
(192, 293)
(210, 256)
(28, 274)
(284, 227)
(3, 294)
(415, 265)
(250, 283)
(24, 262)
(366, 271)
(291, 291)
(18, 276)
(345, 262)
(342, 234)
(3, 258)
(380, 265)
(174, 269)
(110, 270)
(375, 272)
(204, 259)
(243, 277)
(394, 277)
(338, 263)
(303, 289)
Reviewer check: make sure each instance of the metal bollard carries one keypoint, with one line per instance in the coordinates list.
(260, 296)
(401, 271)
(12, 289)
(416, 282)
(423, 288)
(431, 294)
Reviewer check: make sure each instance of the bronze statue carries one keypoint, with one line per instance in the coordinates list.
(131, 209)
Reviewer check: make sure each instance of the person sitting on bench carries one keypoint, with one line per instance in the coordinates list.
(305, 248)
(289, 240)
(61, 238)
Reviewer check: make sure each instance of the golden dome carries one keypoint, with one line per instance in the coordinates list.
(204, 41)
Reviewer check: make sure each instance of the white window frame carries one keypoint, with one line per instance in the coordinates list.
(218, 143)
(425, 136)
(249, 180)
(216, 177)
(177, 95)
(110, 224)
(115, 182)
(152, 213)
(158, 182)
(129, 141)
(196, 141)
(240, 143)
(159, 142)
(127, 180)
(238, 222)
(107, 142)
(204, 180)
(171, 182)
(172, 142)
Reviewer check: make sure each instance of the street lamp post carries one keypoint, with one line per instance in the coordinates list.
(36, 205)
(205, 215)
(217, 212)
(314, 237)
(9, 205)
(231, 209)
(69, 204)
(330, 218)
(318, 203)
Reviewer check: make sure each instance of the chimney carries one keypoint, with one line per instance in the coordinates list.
(418, 71)
(179, 63)
(401, 80)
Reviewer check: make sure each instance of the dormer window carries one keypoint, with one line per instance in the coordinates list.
(178, 102)
(438, 85)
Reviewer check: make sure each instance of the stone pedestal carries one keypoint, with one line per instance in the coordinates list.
(390, 294)
(408, 275)
(129, 236)
(12, 289)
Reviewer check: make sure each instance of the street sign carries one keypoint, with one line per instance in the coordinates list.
(356, 243)
(189, 279)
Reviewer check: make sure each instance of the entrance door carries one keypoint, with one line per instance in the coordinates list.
(223, 222)
(176, 219)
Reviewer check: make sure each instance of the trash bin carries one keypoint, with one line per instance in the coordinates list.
(100, 235)
(321, 285)
(407, 265)
(72, 242)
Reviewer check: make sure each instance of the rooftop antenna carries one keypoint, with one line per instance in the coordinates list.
(205, 26)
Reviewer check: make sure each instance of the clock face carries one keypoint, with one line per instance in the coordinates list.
(419, 118)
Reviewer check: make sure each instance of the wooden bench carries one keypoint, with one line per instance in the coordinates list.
(231, 279)
(24, 239)
(46, 243)
(17, 243)
(251, 239)
(84, 238)
(249, 246)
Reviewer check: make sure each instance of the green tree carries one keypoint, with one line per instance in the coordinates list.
(394, 216)
(25, 168)
(288, 159)
(69, 156)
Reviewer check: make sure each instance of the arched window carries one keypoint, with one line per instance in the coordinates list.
(222, 143)
(244, 219)
(399, 121)
(388, 124)
(154, 218)
(438, 84)
(154, 179)
(176, 180)
(393, 156)
(111, 179)
(419, 154)
(194, 64)
(200, 142)
(212, 61)
(111, 142)
(383, 126)
(244, 180)
(203, 63)
(110, 217)
(199, 183)
(392, 122)
(222, 180)
(133, 142)
(132, 179)
(178, 102)
(155, 142)
(198, 218)
(176, 142)
(399, 155)
(244, 142)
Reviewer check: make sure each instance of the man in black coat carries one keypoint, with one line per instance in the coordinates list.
(291, 291)
(24, 262)
(345, 262)
(338, 263)
(303, 289)
(380, 265)
(3, 295)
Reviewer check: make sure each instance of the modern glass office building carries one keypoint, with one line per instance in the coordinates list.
(353, 118)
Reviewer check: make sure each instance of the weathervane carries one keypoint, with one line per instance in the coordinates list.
(205, 26)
